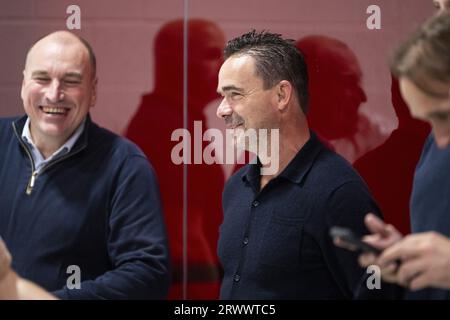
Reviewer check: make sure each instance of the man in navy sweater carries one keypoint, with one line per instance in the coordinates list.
(80, 206)
(274, 241)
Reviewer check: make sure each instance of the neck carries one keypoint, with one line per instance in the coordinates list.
(48, 148)
(293, 136)
(47, 145)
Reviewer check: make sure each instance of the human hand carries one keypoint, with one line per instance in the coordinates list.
(425, 261)
(382, 237)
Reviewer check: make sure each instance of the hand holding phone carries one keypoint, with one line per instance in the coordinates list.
(352, 241)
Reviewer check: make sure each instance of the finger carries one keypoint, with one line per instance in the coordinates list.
(371, 238)
(422, 281)
(377, 241)
(402, 251)
(366, 259)
(409, 270)
(392, 232)
(389, 273)
(378, 226)
(374, 224)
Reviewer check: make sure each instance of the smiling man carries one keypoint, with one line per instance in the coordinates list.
(274, 241)
(75, 196)
(59, 86)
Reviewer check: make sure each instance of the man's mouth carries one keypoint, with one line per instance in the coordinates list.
(234, 125)
(54, 110)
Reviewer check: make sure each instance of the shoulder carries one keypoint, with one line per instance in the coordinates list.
(346, 197)
(7, 130)
(117, 154)
(432, 160)
(6, 123)
(106, 141)
(331, 171)
(428, 145)
(236, 177)
(335, 185)
(235, 182)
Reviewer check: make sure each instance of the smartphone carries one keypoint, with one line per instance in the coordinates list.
(346, 235)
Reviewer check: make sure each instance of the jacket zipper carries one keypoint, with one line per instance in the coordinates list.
(34, 173)
(31, 182)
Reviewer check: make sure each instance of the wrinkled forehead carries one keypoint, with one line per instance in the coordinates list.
(238, 70)
(238, 65)
(67, 51)
(240, 74)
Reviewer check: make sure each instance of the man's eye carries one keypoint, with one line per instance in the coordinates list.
(42, 79)
(71, 82)
(442, 116)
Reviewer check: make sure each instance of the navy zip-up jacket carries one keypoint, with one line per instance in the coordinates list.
(96, 208)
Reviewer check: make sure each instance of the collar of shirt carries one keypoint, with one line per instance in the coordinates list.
(38, 159)
(296, 170)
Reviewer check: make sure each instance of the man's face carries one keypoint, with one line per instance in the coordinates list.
(441, 5)
(435, 109)
(246, 104)
(58, 88)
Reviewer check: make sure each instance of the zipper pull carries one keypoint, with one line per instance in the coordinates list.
(31, 183)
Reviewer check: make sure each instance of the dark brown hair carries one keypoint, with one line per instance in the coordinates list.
(276, 59)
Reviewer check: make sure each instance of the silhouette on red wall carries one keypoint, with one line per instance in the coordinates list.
(389, 169)
(336, 96)
(159, 114)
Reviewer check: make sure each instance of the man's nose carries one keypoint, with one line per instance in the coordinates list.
(54, 92)
(224, 109)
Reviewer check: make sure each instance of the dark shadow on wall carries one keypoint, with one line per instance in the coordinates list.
(389, 169)
(336, 96)
(159, 114)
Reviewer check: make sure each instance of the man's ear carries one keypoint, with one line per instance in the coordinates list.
(284, 93)
(94, 92)
(23, 85)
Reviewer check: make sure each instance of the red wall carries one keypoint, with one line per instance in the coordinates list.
(365, 110)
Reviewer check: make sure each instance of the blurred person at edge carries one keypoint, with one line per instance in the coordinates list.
(420, 262)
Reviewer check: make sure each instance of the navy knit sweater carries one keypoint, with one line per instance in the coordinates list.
(97, 208)
(430, 202)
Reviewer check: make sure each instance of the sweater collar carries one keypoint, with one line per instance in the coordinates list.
(81, 143)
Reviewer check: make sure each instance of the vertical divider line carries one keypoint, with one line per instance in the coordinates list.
(185, 165)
